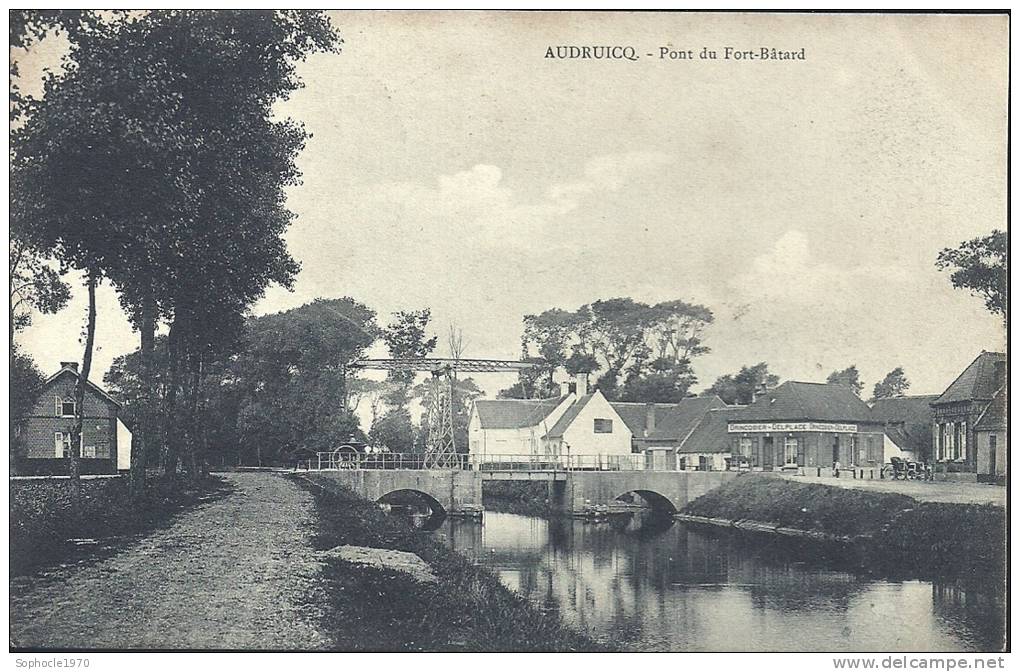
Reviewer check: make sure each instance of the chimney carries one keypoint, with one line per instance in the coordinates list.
(649, 419)
(564, 388)
(581, 384)
(759, 389)
(70, 365)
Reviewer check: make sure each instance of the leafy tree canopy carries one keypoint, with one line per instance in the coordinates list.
(740, 388)
(895, 384)
(848, 377)
(981, 265)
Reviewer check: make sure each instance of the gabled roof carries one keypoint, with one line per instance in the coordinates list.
(910, 410)
(683, 417)
(994, 417)
(978, 381)
(92, 386)
(568, 417)
(898, 436)
(798, 401)
(514, 413)
(711, 433)
(635, 414)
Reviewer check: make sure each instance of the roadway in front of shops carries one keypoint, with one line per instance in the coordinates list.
(948, 492)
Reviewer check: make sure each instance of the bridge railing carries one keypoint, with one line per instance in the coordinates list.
(487, 463)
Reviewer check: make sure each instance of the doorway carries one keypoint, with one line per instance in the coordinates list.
(768, 452)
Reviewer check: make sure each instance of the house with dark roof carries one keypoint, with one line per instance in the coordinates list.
(805, 425)
(591, 426)
(957, 411)
(659, 430)
(42, 441)
(907, 421)
(514, 426)
(990, 438)
(579, 423)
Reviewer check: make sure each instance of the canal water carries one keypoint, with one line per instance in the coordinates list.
(646, 583)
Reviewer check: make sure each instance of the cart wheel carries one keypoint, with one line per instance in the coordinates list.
(889, 472)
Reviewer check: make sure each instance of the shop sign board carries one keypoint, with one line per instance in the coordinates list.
(839, 428)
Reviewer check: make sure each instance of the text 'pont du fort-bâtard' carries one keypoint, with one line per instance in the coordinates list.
(671, 53)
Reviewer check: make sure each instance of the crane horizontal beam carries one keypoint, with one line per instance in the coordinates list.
(437, 364)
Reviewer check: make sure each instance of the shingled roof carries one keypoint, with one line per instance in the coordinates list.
(635, 414)
(514, 413)
(683, 417)
(978, 381)
(907, 420)
(568, 417)
(994, 417)
(911, 410)
(799, 401)
(711, 433)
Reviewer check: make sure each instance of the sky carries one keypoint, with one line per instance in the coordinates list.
(453, 166)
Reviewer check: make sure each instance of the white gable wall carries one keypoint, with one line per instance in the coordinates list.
(583, 440)
(514, 441)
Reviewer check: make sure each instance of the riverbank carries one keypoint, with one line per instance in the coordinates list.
(891, 533)
(44, 531)
(467, 609)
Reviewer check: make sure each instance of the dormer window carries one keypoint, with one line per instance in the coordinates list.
(65, 407)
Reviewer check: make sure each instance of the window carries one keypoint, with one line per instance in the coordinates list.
(62, 444)
(88, 451)
(873, 455)
(64, 407)
(955, 454)
(745, 447)
(603, 426)
(853, 456)
(790, 450)
(963, 441)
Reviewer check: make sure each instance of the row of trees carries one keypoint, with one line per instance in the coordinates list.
(153, 161)
(639, 351)
(290, 383)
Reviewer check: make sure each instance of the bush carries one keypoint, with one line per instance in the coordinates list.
(42, 522)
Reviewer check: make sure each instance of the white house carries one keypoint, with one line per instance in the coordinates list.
(513, 426)
(576, 423)
(590, 426)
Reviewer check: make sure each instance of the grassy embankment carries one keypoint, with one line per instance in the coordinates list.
(891, 532)
(469, 609)
(43, 529)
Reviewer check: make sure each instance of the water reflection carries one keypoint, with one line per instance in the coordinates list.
(647, 584)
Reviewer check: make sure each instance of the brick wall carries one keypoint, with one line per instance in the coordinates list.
(36, 434)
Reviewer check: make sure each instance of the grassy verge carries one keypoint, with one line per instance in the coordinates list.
(893, 533)
(379, 610)
(43, 527)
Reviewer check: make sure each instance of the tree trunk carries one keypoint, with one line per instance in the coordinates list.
(170, 426)
(192, 446)
(142, 439)
(79, 399)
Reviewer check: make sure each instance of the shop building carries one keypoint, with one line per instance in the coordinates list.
(958, 409)
(807, 425)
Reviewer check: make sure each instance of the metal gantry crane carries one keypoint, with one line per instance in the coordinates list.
(440, 449)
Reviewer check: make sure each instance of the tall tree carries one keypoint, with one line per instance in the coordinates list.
(406, 337)
(26, 381)
(741, 388)
(848, 377)
(32, 285)
(156, 157)
(981, 265)
(895, 384)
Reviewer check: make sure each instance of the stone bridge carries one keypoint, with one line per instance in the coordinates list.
(460, 491)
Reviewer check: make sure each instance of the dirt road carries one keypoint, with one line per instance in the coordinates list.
(235, 573)
(939, 491)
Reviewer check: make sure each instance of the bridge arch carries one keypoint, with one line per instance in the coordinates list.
(437, 512)
(658, 502)
(412, 494)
